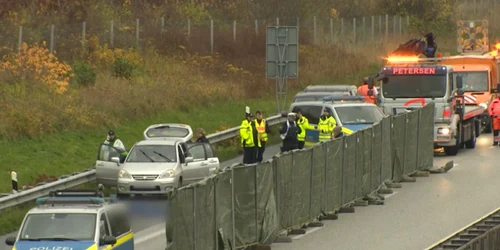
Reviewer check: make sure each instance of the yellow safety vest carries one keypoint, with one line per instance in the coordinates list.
(303, 124)
(246, 134)
(261, 129)
(326, 128)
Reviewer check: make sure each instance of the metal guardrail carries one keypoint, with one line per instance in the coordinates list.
(481, 234)
(235, 131)
(88, 175)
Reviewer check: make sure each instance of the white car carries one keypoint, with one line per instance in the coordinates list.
(166, 159)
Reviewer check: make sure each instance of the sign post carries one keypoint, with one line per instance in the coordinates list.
(282, 59)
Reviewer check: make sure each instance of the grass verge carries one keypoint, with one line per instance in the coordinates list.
(49, 157)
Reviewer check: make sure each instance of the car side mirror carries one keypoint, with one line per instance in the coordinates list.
(189, 159)
(107, 240)
(116, 160)
(10, 241)
(460, 82)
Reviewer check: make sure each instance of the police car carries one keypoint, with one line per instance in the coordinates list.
(74, 220)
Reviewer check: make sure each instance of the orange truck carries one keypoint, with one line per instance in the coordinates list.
(480, 78)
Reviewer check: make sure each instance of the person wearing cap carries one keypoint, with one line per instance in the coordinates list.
(325, 126)
(262, 129)
(303, 124)
(289, 132)
(113, 140)
(363, 91)
(247, 136)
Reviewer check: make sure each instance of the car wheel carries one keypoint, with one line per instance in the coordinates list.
(122, 196)
(179, 183)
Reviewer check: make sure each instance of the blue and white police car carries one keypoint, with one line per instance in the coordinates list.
(74, 220)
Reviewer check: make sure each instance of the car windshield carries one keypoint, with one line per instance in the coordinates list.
(473, 81)
(359, 114)
(59, 226)
(152, 153)
(415, 86)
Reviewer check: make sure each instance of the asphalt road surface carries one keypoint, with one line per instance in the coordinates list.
(413, 217)
(419, 214)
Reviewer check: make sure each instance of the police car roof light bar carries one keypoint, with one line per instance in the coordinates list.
(334, 98)
(69, 201)
(75, 193)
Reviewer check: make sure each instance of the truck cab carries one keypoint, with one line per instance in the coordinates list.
(480, 78)
(411, 83)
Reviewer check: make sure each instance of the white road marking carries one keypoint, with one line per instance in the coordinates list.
(149, 233)
(389, 195)
(456, 164)
(307, 232)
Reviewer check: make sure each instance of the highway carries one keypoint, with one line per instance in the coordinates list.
(414, 217)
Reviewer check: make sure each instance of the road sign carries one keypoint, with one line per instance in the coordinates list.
(282, 52)
(472, 36)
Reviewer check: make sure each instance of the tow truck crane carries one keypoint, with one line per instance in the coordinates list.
(409, 82)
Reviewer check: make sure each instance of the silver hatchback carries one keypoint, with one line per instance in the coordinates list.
(164, 160)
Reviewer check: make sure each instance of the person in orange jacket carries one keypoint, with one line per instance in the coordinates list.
(363, 91)
(494, 112)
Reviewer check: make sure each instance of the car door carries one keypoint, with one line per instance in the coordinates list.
(106, 170)
(213, 161)
(104, 229)
(199, 167)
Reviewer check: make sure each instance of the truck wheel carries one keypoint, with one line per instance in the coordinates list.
(453, 150)
(472, 142)
(487, 126)
(478, 128)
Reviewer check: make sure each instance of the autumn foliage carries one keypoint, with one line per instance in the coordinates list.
(90, 84)
(37, 65)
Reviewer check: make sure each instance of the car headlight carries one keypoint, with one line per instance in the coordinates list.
(443, 131)
(123, 174)
(483, 105)
(169, 174)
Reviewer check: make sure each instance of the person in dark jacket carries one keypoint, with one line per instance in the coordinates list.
(289, 134)
(256, 140)
(202, 137)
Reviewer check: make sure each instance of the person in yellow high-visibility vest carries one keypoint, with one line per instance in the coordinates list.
(263, 131)
(247, 140)
(303, 123)
(325, 126)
